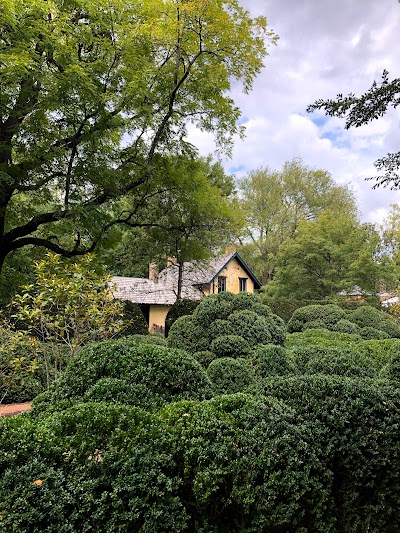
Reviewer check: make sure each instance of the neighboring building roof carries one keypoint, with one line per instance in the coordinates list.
(164, 290)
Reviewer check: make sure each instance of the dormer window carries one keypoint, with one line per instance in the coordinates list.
(221, 283)
(242, 284)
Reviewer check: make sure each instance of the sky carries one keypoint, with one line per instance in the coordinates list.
(324, 48)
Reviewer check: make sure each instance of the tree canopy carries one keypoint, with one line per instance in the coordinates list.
(96, 94)
(360, 110)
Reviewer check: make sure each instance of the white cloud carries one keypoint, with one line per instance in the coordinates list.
(325, 48)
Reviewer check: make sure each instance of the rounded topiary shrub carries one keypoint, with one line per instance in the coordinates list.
(342, 363)
(227, 314)
(271, 360)
(178, 309)
(250, 326)
(381, 351)
(304, 354)
(205, 357)
(187, 334)
(326, 315)
(229, 375)
(369, 333)
(152, 374)
(345, 326)
(368, 316)
(230, 346)
(392, 369)
(153, 338)
(134, 320)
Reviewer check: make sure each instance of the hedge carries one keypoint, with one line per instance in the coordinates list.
(325, 315)
(271, 360)
(229, 375)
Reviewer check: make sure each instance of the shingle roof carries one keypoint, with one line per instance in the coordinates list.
(164, 291)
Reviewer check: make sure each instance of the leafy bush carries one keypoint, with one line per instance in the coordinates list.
(180, 308)
(321, 337)
(204, 358)
(392, 369)
(227, 314)
(368, 316)
(343, 363)
(187, 334)
(355, 427)
(271, 360)
(133, 320)
(229, 375)
(345, 326)
(153, 338)
(369, 333)
(326, 315)
(230, 346)
(153, 374)
(381, 351)
(303, 355)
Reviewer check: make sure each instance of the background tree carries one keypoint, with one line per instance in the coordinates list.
(360, 110)
(334, 252)
(69, 305)
(275, 202)
(390, 248)
(95, 93)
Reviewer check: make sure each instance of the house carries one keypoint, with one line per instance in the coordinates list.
(158, 293)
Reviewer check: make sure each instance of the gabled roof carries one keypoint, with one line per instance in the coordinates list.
(164, 290)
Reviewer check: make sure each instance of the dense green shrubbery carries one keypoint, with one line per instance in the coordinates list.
(134, 320)
(227, 316)
(153, 338)
(368, 316)
(342, 363)
(271, 360)
(151, 376)
(229, 375)
(178, 309)
(321, 337)
(357, 420)
(205, 357)
(369, 333)
(230, 346)
(323, 316)
(345, 326)
(381, 351)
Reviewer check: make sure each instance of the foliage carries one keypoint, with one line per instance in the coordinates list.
(154, 338)
(355, 427)
(96, 98)
(228, 375)
(18, 365)
(230, 346)
(392, 369)
(134, 322)
(274, 203)
(327, 315)
(343, 363)
(150, 376)
(227, 315)
(381, 351)
(69, 305)
(178, 309)
(368, 316)
(345, 326)
(271, 360)
(204, 358)
(331, 253)
(369, 333)
(322, 337)
(363, 109)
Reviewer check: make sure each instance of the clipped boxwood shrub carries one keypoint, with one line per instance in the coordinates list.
(325, 315)
(321, 337)
(179, 308)
(134, 320)
(271, 360)
(369, 333)
(153, 338)
(229, 375)
(381, 351)
(304, 354)
(343, 363)
(227, 314)
(152, 374)
(230, 346)
(250, 326)
(368, 316)
(205, 357)
(345, 326)
(187, 334)
(392, 369)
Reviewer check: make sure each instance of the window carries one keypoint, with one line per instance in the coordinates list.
(221, 283)
(242, 284)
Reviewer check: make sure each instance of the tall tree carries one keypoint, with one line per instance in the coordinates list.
(360, 110)
(275, 202)
(334, 252)
(95, 93)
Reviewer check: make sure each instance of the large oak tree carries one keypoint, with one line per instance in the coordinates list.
(94, 95)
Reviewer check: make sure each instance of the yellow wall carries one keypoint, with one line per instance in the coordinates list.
(157, 316)
(233, 271)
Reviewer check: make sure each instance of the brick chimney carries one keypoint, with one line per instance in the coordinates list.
(153, 272)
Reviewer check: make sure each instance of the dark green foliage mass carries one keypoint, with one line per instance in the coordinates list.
(368, 316)
(134, 321)
(229, 375)
(271, 360)
(227, 316)
(149, 375)
(326, 315)
(180, 308)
